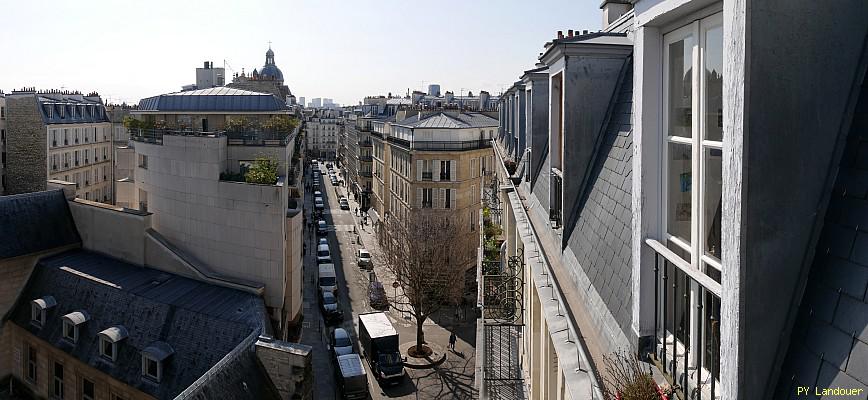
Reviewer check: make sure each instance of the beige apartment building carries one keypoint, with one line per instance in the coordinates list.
(58, 135)
(431, 161)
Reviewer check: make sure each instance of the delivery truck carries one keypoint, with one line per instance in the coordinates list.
(379, 342)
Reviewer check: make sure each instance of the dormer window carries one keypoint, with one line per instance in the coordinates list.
(71, 324)
(153, 358)
(108, 342)
(38, 308)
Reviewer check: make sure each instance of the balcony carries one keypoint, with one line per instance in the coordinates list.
(686, 310)
(557, 192)
(366, 143)
(366, 158)
(245, 138)
(449, 146)
(427, 176)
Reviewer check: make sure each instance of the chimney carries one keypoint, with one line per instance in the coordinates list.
(585, 32)
(614, 9)
(560, 34)
(570, 33)
(206, 65)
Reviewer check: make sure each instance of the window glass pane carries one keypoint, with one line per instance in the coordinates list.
(712, 201)
(680, 177)
(680, 87)
(714, 83)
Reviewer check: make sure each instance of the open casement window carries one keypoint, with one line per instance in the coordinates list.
(691, 197)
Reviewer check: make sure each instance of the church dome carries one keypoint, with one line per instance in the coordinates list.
(270, 70)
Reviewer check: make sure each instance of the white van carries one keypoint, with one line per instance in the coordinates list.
(323, 254)
(326, 278)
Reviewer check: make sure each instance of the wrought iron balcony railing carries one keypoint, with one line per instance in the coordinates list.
(686, 344)
(557, 199)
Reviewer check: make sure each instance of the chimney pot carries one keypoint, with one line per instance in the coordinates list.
(585, 32)
(570, 33)
(560, 34)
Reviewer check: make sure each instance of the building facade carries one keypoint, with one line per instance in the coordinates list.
(96, 311)
(59, 136)
(322, 129)
(641, 221)
(2, 143)
(190, 175)
(421, 162)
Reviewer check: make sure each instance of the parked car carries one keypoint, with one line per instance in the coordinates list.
(329, 165)
(364, 258)
(345, 205)
(317, 194)
(323, 241)
(331, 310)
(377, 296)
(321, 228)
(327, 279)
(352, 378)
(341, 342)
(323, 254)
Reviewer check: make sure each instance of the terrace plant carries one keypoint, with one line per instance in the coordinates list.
(263, 171)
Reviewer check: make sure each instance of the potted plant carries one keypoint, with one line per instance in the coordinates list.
(625, 380)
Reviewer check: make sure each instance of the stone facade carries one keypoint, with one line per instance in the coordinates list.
(26, 147)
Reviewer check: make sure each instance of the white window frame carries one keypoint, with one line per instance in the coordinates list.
(37, 315)
(57, 383)
(114, 347)
(66, 326)
(146, 374)
(697, 142)
(93, 384)
(697, 30)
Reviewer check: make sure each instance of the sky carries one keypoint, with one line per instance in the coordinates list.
(344, 50)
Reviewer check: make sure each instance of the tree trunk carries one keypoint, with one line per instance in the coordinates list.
(420, 335)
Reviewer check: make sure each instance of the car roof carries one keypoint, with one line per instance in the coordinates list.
(322, 246)
(326, 293)
(341, 333)
(321, 222)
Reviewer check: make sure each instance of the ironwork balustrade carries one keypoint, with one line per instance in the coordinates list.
(686, 344)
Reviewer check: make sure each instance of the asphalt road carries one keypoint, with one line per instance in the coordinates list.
(452, 380)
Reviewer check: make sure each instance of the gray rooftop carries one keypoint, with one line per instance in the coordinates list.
(213, 99)
(35, 222)
(449, 121)
(190, 323)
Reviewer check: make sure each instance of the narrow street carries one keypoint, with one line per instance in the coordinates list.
(451, 380)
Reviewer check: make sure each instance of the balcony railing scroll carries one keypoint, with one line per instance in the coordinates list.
(686, 345)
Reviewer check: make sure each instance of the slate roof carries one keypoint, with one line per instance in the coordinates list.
(63, 109)
(35, 222)
(829, 341)
(449, 121)
(601, 235)
(213, 99)
(201, 322)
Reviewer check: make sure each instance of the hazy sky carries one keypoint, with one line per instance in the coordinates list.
(326, 48)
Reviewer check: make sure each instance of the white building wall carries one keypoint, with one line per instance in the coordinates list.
(235, 229)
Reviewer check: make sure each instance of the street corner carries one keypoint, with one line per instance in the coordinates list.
(434, 359)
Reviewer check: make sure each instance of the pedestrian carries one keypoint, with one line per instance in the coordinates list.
(452, 339)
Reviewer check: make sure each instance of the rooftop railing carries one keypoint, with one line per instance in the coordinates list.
(246, 138)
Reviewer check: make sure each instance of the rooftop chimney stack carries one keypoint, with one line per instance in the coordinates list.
(614, 9)
(560, 34)
(570, 33)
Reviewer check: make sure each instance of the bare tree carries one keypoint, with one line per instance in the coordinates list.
(427, 252)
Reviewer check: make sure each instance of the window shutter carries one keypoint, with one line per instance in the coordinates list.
(419, 170)
(442, 194)
(419, 197)
(436, 175)
(453, 170)
(435, 198)
(452, 197)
